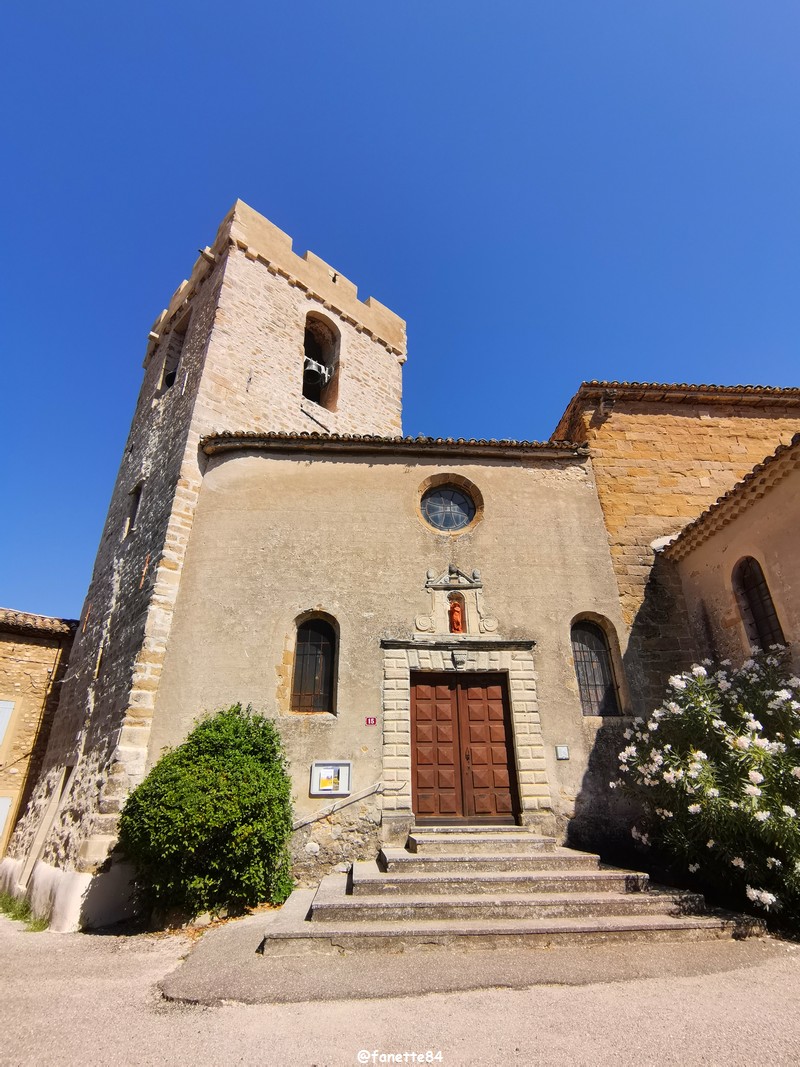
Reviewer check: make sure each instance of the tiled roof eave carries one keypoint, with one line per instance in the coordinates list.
(359, 444)
(677, 393)
(45, 625)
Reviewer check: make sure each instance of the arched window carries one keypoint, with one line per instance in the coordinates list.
(174, 350)
(598, 690)
(314, 667)
(755, 603)
(321, 362)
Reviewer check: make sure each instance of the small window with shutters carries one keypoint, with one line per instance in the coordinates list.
(314, 667)
(594, 670)
(755, 603)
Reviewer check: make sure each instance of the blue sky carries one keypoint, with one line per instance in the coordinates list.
(548, 192)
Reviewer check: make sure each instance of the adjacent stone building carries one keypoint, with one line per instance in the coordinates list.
(739, 565)
(444, 630)
(34, 651)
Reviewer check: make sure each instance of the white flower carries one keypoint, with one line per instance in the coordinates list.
(796, 772)
(718, 724)
(723, 685)
(699, 672)
(628, 734)
(752, 790)
(676, 709)
(761, 816)
(734, 805)
(612, 785)
(772, 862)
(677, 682)
(694, 809)
(762, 897)
(653, 726)
(742, 742)
(755, 777)
(790, 811)
(783, 695)
(737, 861)
(713, 792)
(710, 843)
(694, 867)
(700, 754)
(748, 663)
(794, 681)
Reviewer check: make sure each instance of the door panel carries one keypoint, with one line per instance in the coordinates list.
(462, 759)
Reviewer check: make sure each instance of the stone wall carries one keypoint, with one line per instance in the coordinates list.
(32, 666)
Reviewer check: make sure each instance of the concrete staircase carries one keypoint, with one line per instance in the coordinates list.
(486, 886)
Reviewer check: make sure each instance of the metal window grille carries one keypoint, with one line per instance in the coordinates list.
(312, 689)
(758, 611)
(596, 685)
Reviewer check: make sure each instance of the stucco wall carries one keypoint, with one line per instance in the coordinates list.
(765, 529)
(277, 536)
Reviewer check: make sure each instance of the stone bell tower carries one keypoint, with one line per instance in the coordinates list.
(258, 339)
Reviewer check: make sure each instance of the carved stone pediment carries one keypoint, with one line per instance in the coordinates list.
(451, 587)
(454, 578)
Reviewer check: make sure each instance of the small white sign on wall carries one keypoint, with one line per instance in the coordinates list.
(330, 778)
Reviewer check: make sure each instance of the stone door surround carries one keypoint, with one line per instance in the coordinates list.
(513, 658)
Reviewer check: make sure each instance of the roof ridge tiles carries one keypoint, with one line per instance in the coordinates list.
(420, 441)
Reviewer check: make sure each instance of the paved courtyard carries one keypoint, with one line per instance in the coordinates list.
(70, 999)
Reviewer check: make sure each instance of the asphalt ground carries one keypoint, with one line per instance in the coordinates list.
(169, 999)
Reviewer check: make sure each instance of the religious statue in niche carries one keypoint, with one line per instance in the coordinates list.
(456, 605)
(456, 614)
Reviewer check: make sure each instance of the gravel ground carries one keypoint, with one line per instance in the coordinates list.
(91, 999)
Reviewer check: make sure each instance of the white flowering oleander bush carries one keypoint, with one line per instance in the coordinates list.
(717, 771)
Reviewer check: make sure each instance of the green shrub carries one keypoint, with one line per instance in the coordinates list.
(208, 827)
(19, 908)
(717, 770)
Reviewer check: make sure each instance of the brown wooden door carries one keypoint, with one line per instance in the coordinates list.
(462, 762)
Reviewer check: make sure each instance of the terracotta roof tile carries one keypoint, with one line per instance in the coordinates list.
(45, 624)
(222, 442)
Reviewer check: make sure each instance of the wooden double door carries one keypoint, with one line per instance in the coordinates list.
(462, 761)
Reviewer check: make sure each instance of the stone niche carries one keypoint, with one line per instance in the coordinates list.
(456, 605)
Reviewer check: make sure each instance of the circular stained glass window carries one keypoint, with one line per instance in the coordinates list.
(447, 508)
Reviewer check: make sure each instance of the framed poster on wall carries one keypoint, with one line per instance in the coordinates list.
(330, 778)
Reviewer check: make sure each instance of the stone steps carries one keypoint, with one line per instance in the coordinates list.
(369, 879)
(477, 841)
(333, 904)
(399, 859)
(485, 887)
(290, 934)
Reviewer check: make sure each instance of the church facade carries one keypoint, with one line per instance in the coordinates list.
(445, 631)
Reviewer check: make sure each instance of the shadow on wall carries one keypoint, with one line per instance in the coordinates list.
(604, 816)
(661, 641)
